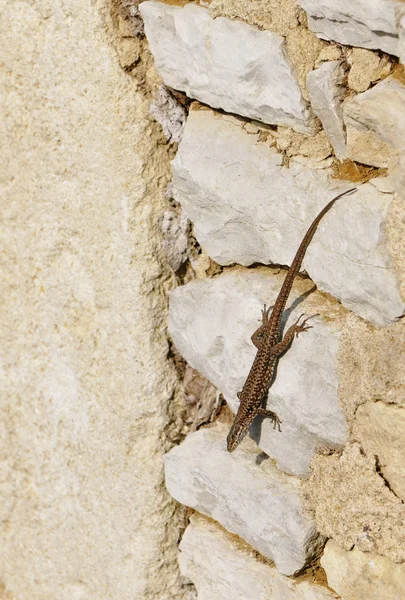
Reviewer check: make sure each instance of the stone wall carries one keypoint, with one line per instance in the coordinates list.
(266, 109)
(288, 104)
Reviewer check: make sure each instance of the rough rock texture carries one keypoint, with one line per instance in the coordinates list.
(375, 123)
(222, 566)
(85, 379)
(169, 113)
(284, 18)
(380, 429)
(325, 93)
(396, 220)
(353, 505)
(402, 40)
(329, 52)
(370, 365)
(366, 67)
(360, 575)
(247, 207)
(315, 148)
(227, 64)
(202, 399)
(256, 502)
(129, 52)
(350, 255)
(175, 229)
(364, 23)
(211, 323)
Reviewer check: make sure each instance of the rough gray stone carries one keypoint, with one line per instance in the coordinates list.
(350, 258)
(175, 228)
(225, 64)
(257, 502)
(365, 23)
(248, 208)
(169, 113)
(325, 91)
(211, 322)
(245, 206)
(402, 40)
(375, 124)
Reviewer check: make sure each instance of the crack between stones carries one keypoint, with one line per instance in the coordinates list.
(377, 32)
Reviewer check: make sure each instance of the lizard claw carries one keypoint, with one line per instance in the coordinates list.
(265, 314)
(302, 327)
(276, 422)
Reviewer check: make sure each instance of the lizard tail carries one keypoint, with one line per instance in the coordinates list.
(296, 263)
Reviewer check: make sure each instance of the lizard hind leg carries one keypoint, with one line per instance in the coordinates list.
(302, 327)
(271, 415)
(265, 314)
(257, 337)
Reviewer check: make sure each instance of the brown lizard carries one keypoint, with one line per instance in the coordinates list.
(269, 347)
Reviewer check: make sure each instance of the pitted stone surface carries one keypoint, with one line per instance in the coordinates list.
(357, 575)
(226, 64)
(380, 428)
(85, 381)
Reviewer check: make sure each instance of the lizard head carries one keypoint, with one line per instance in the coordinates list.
(238, 431)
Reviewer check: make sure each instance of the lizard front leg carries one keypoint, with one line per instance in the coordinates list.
(278, 349)
(292, 331)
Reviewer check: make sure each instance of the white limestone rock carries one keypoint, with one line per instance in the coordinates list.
(226, 64)
(221, 567)
(245, 206)
(375, 124)
(325, 91)
(257, 502)
(350, 258)
(211, 322)
(366, 23)
(357, 575)
(248, 208)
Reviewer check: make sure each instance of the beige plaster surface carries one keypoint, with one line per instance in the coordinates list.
(370, 364)
(357, 575)
(380, 428)
(85, 381)
(353, 505)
